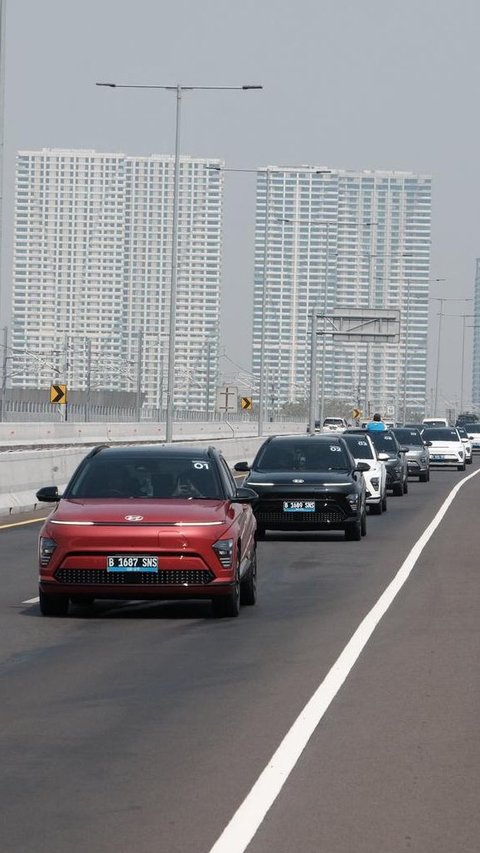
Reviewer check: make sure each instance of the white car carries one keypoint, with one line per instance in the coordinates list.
(473, 432)
(467, 443)
(435, 422)
(334, 425)
(362, 449)
(446, 446)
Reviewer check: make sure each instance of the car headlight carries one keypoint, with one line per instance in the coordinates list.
(375, 482)
(45, 550)
(352, 499)
(224, 551)
(423, 459)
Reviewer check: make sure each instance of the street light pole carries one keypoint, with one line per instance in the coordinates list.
(313, 373)
(261, 390)
(324, 337)
(4, 373)
(441, 299)
(178, 89)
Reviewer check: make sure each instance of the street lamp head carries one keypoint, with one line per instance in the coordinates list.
(245, 88)
(110, 85)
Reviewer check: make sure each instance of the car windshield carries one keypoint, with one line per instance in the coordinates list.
(434, 423)
(359, 447)
(472, 428)
(146, 477)
(409, 437)
(302, 456)
(462, 432)
(333, 421)
(440, 435)
(384, 442)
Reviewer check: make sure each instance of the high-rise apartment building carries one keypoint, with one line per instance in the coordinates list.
(340, 239)
(92, 272)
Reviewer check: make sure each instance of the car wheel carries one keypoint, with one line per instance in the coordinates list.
(461, 467)
(353, 532)
(384, 502)
(423, 477)
(248, 586)
(363, 523)
(53, 605)
(405, 487)
(228, 605)
(376, 509)
(397, 489)
(469, 461)
(260, 531)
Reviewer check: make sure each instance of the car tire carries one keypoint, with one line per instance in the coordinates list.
(353, 532)
(363, 523)
(384, 502)
(53, 605)
(224, 606)
(469, 461)
(405, 487)
(423, 477)
(261, 530)
(397, 490)
(248, 586)
(376, 509)
(461, 467)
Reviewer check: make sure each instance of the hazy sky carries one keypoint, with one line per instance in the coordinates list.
(358, 84)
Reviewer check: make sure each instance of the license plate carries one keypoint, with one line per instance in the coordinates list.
(437, 458)
(132, 563)
(299, 506)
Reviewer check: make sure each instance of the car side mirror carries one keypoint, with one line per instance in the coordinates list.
(362, 467)
(48, 494)
(241, 466)
(403, 449)
(245, 495)
(427, 443)
(383, 457)
(471, 437)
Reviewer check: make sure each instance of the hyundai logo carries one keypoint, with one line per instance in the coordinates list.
(134, 518)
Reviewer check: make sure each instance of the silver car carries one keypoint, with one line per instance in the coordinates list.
(418, 456)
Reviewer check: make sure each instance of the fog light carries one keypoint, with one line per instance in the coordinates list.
(353, 500)
(375, 483)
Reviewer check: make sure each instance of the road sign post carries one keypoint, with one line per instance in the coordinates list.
(227, 399)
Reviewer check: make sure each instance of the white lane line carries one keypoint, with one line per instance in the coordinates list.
(244, 824)
(31, 601)
(21, 523)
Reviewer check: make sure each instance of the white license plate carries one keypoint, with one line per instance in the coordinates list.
(132, 563)
(299, 506)
(437, 458)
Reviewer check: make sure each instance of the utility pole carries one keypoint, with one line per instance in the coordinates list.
(88, 346)
(313, 372)
(3, 13)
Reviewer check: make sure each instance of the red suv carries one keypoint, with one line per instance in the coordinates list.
(149, 522)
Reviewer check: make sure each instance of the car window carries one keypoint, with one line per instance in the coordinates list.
(359, 447)
(471, 428)
(439, 434)
(384, 442)
(146, 477)
(410, 437)
(297, 456)
(229, 482)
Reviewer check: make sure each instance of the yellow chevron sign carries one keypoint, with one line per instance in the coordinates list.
(246, 403)
(58, 394)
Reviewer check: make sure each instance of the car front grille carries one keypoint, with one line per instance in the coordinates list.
(165, 577)
(329, 516)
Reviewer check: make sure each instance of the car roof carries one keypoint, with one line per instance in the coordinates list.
(146, 450)
(304, 438)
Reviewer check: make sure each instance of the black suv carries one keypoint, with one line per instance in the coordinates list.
(308, 483)
(394, 455)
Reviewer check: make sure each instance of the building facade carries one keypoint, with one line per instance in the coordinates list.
(334, 239)
(92, 272)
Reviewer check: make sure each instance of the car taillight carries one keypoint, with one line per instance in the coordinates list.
(224, 551)
(46, 548)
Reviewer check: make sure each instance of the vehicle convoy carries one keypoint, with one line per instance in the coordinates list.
(363, 450)
(446, 447)
(394, 455)
(418, 456)
(308, 483)
(149, 522)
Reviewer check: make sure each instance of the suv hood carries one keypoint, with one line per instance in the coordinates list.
(137, 511)
(300, 478)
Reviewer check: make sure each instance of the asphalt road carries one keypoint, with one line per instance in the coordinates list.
(144, 726)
